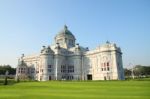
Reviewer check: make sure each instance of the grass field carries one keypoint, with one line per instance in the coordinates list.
(77, 90)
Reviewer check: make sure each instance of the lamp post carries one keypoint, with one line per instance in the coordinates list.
(107, 76)
(6, 74)
(132, 70)
(17, 78)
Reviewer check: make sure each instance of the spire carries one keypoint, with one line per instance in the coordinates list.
(65, 27)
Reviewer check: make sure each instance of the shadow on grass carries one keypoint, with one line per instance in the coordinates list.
(9, 82)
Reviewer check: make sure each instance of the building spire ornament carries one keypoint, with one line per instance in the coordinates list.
(65, 27)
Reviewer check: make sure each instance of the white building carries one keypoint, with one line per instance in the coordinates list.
(66, 60)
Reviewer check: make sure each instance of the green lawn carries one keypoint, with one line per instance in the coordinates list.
(77, 90)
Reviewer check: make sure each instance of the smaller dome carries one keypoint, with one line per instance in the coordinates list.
(22, 63)
(47, 50)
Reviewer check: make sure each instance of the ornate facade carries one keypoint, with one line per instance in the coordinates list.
(66, 60)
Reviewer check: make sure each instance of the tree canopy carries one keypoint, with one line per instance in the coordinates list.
(138, 71)
(4, 68)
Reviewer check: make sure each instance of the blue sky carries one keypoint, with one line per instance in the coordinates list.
(26, 25)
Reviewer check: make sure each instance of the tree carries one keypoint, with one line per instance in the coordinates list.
(138, 71)
(4, 68)
(127, 72)
(142, 70)
(5, 81)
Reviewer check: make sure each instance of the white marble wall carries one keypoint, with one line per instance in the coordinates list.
(85, 63)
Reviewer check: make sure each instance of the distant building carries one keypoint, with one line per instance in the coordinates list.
(66, 60)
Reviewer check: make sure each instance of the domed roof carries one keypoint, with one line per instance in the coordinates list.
(46, 50)
(65, 31)
(22, 63)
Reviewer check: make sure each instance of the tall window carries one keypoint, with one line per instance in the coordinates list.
(107, 63)
(70, 42)
(70, 69)
(63, 68)
(32, 70)
(105, 66)
(49, 68)
(41, 70)
(22, 70)
(108, 68)
(67, 69)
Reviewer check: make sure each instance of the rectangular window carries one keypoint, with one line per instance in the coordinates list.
(63, 68)
(32, 70)
(49, 70)
(41, 70)
(49, 66)
(70, 69)
(70, 42)
(107, 63)
(108, 68)
(104, 69)
(104, 64)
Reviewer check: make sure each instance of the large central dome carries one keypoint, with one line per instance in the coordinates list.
(65, 31)
(65, 38)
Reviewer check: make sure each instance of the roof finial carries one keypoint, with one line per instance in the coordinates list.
(65, 27)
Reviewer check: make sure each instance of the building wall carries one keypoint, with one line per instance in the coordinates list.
(66, 60)
(94, 63)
